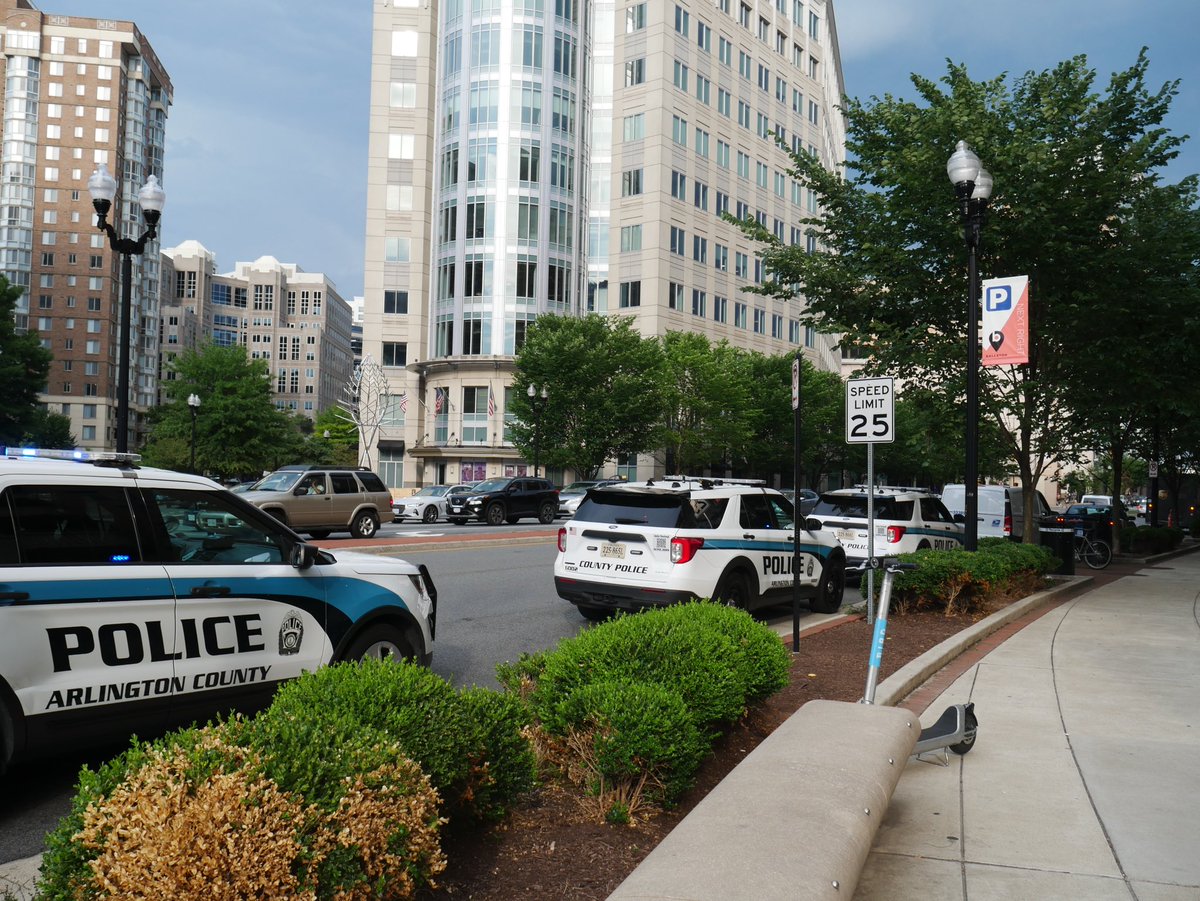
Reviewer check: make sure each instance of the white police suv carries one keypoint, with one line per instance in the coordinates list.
(645, 544)
(135, 599)
(906, 519)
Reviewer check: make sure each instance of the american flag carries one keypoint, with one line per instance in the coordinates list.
(491, 402)
(404, 402)
(439, 400)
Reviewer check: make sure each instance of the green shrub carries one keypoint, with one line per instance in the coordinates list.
(502, 756)
(695, 661)
(956, 578)
(516, 677)
(625, 731)
(761, 657)
(1152, 539)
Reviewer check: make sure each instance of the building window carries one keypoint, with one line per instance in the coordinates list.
(631, 238)
(395, 353)
(631, 294)
(635, 71)
(635, 18)
(674, 296)
(631, 182)
(395, 303)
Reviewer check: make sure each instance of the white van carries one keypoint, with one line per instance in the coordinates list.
(1099, 500)
(999, 511)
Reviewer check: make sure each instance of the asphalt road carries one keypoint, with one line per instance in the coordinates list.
(495, 601)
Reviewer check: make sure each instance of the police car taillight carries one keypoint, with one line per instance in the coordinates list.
(562, 539)
(684, 549)
(894, 533)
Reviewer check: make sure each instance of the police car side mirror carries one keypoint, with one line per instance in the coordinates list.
(303, 556)
(812, 524)
(960, 517)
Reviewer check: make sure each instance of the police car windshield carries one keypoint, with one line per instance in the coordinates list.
(278, 481)
(854, 506)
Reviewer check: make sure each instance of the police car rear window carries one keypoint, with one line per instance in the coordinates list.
(855, 507)
(628, 508)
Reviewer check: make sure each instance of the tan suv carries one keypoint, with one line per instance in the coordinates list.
(318, 500)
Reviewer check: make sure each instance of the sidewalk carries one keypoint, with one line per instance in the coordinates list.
(1083, 780)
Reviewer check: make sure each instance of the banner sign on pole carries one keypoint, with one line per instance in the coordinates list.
(1005, 321)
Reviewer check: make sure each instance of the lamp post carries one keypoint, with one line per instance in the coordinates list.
(103, 188)
(194, 404)
(538, 401)
(972, 187)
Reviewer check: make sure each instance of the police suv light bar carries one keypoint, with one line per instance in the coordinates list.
(78, 456)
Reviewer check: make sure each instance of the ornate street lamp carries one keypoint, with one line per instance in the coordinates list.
(538, 401)
(194, 403)
(103, 188)
(972, 187)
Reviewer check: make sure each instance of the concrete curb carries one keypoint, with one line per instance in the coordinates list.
(900, 684)
(17, 877)
(794, 820)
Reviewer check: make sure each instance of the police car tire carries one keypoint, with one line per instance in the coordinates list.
(365, 525)
(733, 590)
(494, 513)
(7, 737)
(830, 588)
(594, 614)
(924, 546)
(430, 514)
(380, 641)
(546, 513)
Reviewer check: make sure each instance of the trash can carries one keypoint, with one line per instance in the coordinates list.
(1061, 542)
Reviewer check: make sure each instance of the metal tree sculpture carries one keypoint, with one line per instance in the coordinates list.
(365, 401)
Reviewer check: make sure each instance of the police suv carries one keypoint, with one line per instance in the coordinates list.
(136, 599)
(906, 519)
(645, 544)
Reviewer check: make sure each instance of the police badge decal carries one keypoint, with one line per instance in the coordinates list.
(291, 633)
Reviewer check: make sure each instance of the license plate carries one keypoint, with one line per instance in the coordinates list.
(613, 550)
(847, 535)
(1078, 532)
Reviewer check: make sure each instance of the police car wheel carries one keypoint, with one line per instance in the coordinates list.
(733, 590)
(382, 642)
(7, 737)
(594, 614)
(547, 513)
(430, 514)
(364, 526)
(495, 514)
(830, 588)
(924, 546)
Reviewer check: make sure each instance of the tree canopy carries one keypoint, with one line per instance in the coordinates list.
(1076, 173)
(24, 366)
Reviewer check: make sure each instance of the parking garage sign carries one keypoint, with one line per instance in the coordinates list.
(870, 411)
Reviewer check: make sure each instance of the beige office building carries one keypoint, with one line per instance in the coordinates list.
(294, 320)
(80, 92)
(526, 158)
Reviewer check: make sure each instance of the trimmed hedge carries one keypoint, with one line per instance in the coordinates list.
(1151, 539)
(956, 578)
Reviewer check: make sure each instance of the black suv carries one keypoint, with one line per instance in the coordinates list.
(506, 500)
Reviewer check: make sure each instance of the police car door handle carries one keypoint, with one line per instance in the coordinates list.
(748, 536)
(210, 591)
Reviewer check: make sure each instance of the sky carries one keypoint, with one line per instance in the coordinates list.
(267, 138)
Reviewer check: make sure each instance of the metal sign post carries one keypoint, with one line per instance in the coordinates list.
(870, 418)
(796, 504)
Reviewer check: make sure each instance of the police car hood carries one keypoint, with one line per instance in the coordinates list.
(368, 564)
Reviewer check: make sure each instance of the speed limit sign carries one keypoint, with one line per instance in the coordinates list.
(870, 411)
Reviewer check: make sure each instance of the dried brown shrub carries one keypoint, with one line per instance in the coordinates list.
(165, 834)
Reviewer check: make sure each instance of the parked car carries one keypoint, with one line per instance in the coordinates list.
(570, 497)
(905, 519)
(999, 509)
(648, 544)
(495, 501)
(427, 505)
(139, 599)
(808, 499)
(320, 500)
(1098, 519)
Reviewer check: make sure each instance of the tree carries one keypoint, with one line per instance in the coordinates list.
(46, 429)
(341, 447)
(239, 432)
(707, 398)
(601, 377)
(24, 367)
(890, 273)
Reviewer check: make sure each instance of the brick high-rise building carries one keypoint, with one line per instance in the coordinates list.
(79, 92)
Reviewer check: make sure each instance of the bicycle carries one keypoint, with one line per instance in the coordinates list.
(1095, 552)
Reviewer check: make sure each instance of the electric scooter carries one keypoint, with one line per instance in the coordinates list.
(957, 726)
